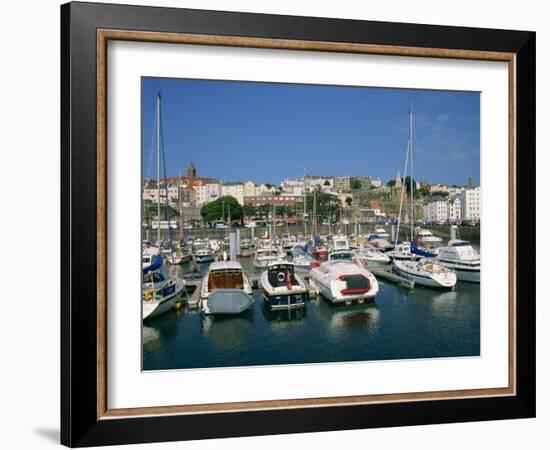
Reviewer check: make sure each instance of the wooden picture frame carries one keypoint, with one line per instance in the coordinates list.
(85, 416)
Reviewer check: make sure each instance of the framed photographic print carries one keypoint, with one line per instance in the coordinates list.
(277, 224)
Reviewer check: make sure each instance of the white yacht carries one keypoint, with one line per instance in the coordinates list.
(302, 262)
(342, 281)
(264, 256)
(371, 257)
(461, 257)
(225, 289)
(204, 254)
(380, 238)
(426, 273)
(426, 238)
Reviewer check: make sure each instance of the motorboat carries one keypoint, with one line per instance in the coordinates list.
(282, 287)
(303, 262)
(461, 257)
(403, 252)
(425, 238)
(342, 281)
(204, 254)
(339, 242)
(264, 256)
(225, 289)
(371, 257)
(426, 272)
(380, 239)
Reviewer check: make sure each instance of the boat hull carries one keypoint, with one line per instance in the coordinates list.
(432, 281)
(152, 308)
(204, 259)
(286, 300)
(470, 275)
(227, 302)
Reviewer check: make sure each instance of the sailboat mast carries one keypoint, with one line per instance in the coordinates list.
(411, 179)
(158, 168)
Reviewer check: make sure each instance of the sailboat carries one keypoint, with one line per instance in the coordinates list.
(425, 272)
(160, 292)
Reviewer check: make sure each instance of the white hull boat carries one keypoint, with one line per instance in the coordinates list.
(461, 257)
(343, 282)
(204, 255)
(371, 257)
(225, 289)
(264, 256)
(160, 296)
(426, 273)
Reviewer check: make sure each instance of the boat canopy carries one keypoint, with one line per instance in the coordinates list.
(157, 262)
(417, 251)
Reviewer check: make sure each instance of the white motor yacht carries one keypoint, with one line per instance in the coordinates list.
(461, 257)
(342, 281)
(225, 289)
(371, 257)
(264, 256)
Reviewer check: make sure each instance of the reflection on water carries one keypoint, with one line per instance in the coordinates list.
(400, 324)
(227, 331)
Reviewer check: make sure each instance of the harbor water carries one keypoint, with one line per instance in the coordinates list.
(401, 323)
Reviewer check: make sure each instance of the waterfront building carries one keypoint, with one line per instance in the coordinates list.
(454, 210)
(436, 211)
(278, 200)
(235, 190)
(325, 183)
(470, 204)
(190, 214)
(292, 186)
(376, 182)
(207, 192)
(342, 184)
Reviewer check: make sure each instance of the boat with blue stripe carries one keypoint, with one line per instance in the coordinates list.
(282, 287)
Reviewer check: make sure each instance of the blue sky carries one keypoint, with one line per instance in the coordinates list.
(236, 131)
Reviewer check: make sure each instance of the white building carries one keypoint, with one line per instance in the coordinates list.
(325, 183)
(376, 182)
(470, 204)
(292, 186)
(454, 210)
(436, 211)
(207, 193)
(235, 190)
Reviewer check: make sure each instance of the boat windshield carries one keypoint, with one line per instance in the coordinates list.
(340, 256)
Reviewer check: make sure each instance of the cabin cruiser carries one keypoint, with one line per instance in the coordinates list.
(371, 257)
(225, 289)
(282, 287)
(264, 256)
(380, 239)
(204, 254)
(339, 242)
(342, 281)
(425, 238)
(461, 257)
(160, 294)
(426, 273)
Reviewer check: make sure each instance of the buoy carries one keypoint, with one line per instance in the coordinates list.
(177, 305)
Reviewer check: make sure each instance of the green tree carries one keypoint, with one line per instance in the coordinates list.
(349, 201)
(150, 211)
(355, 184)
(249, 211)
(220, 209)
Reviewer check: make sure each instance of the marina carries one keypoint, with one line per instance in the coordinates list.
(401, 323)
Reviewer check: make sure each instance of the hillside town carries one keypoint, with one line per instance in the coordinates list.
(339, 198)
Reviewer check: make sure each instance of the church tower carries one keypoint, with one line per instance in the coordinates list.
(191, 172)
(398, 182)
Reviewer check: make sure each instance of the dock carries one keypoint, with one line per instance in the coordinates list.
(390, 274)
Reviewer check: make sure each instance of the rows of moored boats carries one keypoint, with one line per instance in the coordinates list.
(340, 269)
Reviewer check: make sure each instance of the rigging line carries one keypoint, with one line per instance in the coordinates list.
(417, 153)
(403, 188)
(152, 148)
